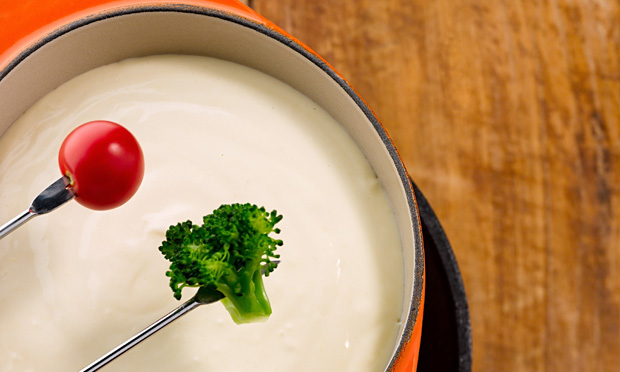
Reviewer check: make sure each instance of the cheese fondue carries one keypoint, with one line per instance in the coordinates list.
(76, 282)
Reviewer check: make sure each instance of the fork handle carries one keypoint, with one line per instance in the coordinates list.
(16, 222)
(144, 334)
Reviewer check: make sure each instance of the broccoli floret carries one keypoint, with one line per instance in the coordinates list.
(229, 253)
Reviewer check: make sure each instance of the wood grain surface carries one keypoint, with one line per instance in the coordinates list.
(507, 115)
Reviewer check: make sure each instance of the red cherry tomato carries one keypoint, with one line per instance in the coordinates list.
(104, 164)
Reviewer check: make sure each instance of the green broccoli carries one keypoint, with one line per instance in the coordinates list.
(228, 254)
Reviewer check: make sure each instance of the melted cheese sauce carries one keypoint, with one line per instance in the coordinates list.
(75, 283)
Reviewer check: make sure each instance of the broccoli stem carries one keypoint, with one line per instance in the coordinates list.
(252, 304)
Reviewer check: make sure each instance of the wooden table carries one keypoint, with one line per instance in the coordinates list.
(507, 115)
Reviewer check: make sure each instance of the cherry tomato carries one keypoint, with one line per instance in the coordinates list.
(103, 163)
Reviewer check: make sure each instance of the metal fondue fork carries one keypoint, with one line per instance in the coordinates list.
(49, 199)
(202, 297)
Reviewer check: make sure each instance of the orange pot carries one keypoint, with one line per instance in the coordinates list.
(45, 44)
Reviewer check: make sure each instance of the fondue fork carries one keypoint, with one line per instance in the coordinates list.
(49, 199)
(203, 296)
(84, 153)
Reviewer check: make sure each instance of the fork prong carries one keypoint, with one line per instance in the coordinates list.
(52, 197)
(49, 199)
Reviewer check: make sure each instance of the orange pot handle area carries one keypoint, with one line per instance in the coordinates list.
(24, 23)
